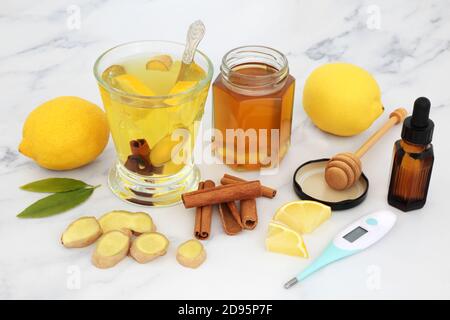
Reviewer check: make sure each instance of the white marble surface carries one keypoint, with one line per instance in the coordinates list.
(44, 54)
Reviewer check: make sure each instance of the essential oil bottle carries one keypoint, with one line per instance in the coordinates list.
(413, 160)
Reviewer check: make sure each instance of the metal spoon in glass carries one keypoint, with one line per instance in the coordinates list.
(194, 36)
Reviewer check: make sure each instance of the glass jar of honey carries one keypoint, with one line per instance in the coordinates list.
(252, 108)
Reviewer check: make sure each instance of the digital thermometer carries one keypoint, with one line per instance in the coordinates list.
(355, 238)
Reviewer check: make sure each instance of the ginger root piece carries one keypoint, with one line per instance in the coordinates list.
(128, 232)
(164, 150)
(160, 63)
(191, 254)
(112, 247)
(149, 246)
(81, 233)
(137, 222)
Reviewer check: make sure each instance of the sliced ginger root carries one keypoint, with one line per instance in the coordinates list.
(81, 233)
(137, 222)
(149, 246)
(160, 63)
(191, 254)
(112, 247)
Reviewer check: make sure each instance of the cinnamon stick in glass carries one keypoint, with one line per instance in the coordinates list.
(222, 194)
(139, 160)
(140, 147)
(229, 179)
(203, 215)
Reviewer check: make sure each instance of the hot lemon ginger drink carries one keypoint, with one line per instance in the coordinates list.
(153, 137)
(154, 103)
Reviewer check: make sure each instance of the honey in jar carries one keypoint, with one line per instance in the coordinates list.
(252, 108)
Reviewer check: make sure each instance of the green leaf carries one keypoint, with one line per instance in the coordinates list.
(53, 185)
(56, 203)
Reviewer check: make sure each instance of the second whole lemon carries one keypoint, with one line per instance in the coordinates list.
(342, 99)
(64, 133)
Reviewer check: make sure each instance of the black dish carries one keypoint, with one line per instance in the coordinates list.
(338, 205)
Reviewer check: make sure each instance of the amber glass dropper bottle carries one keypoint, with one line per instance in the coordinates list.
(413, 160)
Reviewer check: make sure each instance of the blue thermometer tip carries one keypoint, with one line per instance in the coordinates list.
(290, 283)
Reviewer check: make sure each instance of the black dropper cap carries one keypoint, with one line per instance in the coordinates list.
(418, 128)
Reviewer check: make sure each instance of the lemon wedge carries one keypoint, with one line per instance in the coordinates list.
(179, 87)
(303, 216)
(282, 239)
(131, 84)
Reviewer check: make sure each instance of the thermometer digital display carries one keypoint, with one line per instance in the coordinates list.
(358, 236)
(355, 234)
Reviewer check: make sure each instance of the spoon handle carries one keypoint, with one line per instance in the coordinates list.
(194, 36)
(397, 116)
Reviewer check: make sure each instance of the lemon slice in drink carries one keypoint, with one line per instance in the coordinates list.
(179, 87)
(131, 84)
(282, 239)
(195, 72)
(303, 216)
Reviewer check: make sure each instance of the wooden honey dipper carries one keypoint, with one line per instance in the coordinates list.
(344, 169)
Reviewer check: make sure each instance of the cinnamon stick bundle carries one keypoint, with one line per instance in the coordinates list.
(266, 191)
(248, 216)
(222, 194)
(203, 215)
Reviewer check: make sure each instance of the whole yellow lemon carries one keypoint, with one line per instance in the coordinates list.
(342, 99)
(64, 133)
